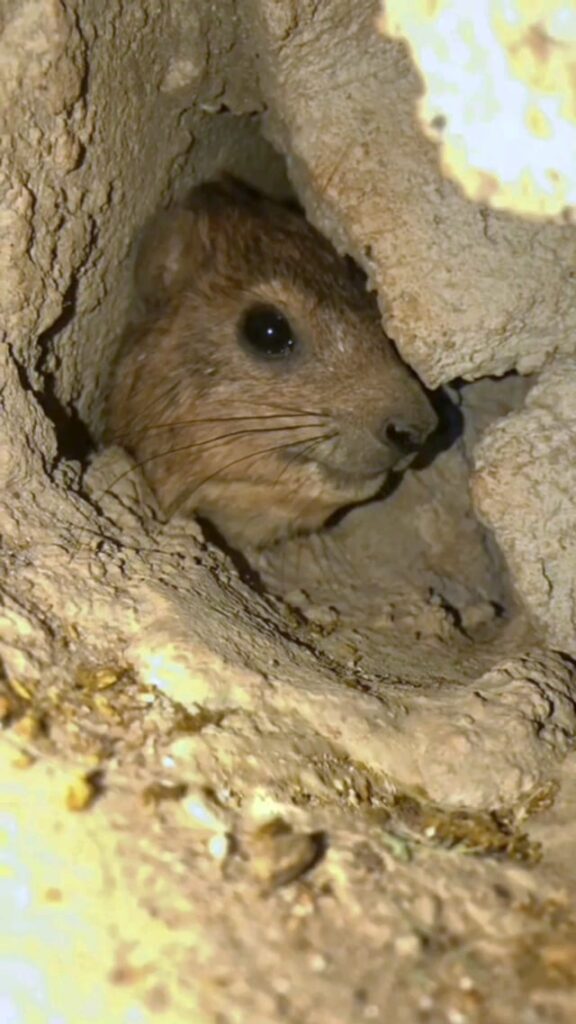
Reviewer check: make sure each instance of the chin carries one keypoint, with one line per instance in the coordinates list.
(349, 487)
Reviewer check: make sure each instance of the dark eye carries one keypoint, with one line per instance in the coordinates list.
(267, 332)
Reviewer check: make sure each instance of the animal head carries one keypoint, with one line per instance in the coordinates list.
(258, 386)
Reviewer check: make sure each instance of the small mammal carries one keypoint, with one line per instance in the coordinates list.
(256, 386)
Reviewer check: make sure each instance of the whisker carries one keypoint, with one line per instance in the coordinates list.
(188, 492)
(291, 408)
(324, 437)
(201, 444)
(212, 419)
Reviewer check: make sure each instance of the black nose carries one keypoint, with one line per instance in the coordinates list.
(406, 437)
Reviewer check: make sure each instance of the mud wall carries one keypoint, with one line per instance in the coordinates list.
(109, 111)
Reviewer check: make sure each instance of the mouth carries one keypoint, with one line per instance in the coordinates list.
(351, 476)
(354, 473)
(348, 485)
(348, 477)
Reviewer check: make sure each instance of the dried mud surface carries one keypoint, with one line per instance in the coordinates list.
(336, 785)
(239, 864)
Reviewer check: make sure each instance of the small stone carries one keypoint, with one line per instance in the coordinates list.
(103, 678)
(426, 910)
(6, 709)
(456, 1016)
(202, 815)
(29, 727)
(21, 690)
(278, 855)
(407, 945)
(23, 760)
(220, 846)
(82, 792)
(181, 74)
(53, 895)
(371, 1012)
(157, 792)
(318, 963)
(322, 615)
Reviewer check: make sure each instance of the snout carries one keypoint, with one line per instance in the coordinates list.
(405, 436)
(364, 452)
(370, 445)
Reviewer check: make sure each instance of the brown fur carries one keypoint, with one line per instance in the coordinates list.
(200, 412)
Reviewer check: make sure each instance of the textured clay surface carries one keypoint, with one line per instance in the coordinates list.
(524, 488)
(465, 291)
(347, 794)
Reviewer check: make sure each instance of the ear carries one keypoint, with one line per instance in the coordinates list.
(168, 253)
(178, 243)
(222, 193)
